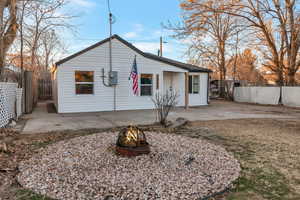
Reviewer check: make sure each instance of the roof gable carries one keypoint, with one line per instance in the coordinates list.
(189, 67)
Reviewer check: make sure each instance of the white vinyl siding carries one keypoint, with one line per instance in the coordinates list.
(103, 99)
(54, 89)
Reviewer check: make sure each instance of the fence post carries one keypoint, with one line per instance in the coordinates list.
(28, 92)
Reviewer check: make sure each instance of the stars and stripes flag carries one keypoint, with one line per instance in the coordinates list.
(134, 77)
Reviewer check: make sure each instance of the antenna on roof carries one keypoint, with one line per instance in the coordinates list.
(112, 18)
(108, 5)
(111, 21)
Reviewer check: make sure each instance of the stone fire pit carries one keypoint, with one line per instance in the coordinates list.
(88, 167)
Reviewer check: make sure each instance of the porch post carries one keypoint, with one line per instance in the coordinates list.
(186, 90)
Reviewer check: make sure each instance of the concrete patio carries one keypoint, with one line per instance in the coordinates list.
(41, 121)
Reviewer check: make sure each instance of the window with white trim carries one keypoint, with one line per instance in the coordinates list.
(84, 82)
(194, 85)
(146, 84)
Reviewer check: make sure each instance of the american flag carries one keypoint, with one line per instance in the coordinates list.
(134, 77)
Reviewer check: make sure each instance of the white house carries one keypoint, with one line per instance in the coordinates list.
(78, 79)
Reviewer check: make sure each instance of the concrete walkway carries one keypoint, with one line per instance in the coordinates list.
(40, 121)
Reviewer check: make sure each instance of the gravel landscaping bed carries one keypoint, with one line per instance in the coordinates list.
(87, 167)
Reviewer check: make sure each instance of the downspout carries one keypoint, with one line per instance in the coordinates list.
(208, 87)
(186, 90)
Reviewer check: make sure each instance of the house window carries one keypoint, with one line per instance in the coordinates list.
(84, 82)
(146, 84)
(194, 84)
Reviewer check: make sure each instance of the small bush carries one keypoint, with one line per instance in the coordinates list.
(164, 103)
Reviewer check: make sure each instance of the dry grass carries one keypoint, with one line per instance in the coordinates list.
(267, 149)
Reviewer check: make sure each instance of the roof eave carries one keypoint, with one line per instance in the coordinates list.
(150, 56)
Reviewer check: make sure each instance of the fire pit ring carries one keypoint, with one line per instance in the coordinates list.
(132, 142)
(129, 152)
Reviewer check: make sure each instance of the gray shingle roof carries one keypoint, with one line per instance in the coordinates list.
(189, 67)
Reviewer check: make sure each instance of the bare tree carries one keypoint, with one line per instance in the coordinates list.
(51, 45)
(210, 32)
(37, 43)
(8, 28)
(22, 15)
(243, 66)
(164, 103)
(277, 25)
(44, 18)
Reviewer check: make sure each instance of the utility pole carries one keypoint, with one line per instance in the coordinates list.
(110, 35)
(161, 46)
(235, 63)
(110, 73)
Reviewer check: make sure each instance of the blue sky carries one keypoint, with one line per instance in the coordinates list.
(137, 21)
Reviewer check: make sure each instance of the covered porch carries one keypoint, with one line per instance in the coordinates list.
(177, 82)
(192, 87)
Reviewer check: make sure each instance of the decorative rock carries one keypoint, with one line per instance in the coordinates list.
(179, 122)
(3, 147)
(177, 167)
(189, 159)
(12, 124)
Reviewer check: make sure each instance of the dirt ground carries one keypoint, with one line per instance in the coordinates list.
(268, 150)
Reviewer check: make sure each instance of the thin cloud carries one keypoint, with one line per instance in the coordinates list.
(163, 33)
(83, 3)
(136, 32)
(131, 35)
(138, 27)
(152, 47)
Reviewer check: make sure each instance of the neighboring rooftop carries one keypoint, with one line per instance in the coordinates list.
(189, 67)
(12, 68)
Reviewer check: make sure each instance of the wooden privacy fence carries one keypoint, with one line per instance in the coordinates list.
(30, 91)
(45, 89)
(36, 88)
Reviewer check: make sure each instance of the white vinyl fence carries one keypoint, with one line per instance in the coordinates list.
(291, 96)
(268, 95)
(10, 102)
